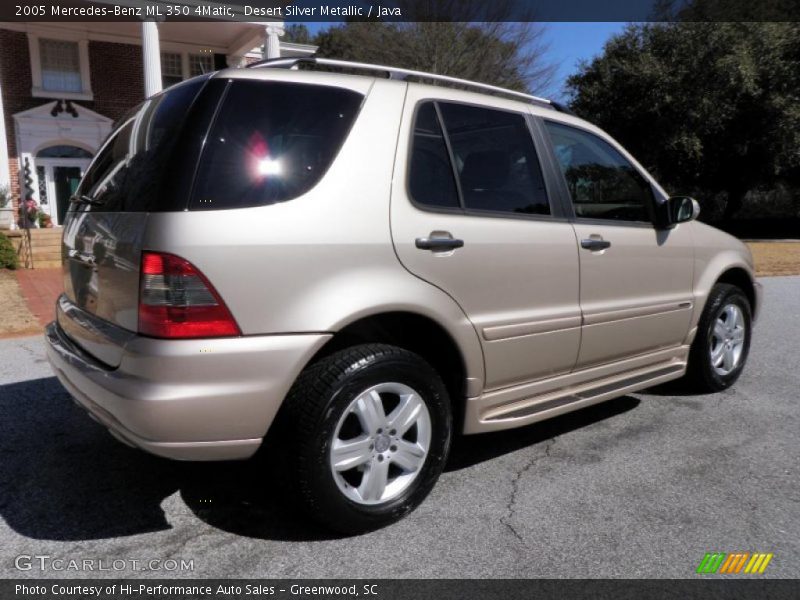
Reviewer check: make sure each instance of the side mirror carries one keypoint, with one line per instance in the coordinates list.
(678, 209)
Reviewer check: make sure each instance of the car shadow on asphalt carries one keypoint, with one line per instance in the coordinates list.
(469, 450)
(63, 477)
(677, 388)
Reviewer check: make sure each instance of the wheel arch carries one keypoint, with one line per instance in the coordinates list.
(728, 266)
(741, 278)
(418, 333)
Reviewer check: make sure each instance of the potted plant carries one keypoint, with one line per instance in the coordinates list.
(6, 209)
(44, 219)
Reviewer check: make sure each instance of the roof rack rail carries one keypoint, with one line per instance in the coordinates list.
(401, 74)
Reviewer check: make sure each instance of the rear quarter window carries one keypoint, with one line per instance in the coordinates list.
(271, 142)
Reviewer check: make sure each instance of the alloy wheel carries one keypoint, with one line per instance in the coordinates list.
(727, 339)
(380, 443)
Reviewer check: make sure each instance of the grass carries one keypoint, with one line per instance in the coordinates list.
(15, 318)
(776, 258)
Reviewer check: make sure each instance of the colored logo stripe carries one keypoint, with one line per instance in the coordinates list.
(758, 563)
(724, 563)
(734, 562)
(711, 562)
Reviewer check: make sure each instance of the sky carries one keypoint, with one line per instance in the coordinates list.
(569, 43)
(572, 42)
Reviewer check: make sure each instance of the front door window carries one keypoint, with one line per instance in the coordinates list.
(41, 174)
(603, 183)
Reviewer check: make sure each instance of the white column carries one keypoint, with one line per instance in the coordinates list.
(151, 53)
(5, 178)
(272, 45)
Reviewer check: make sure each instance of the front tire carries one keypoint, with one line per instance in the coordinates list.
(722, 343)
(367, 431)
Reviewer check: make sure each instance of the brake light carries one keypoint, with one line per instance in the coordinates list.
(177, 301)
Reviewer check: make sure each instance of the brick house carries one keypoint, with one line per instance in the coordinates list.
(63, 85)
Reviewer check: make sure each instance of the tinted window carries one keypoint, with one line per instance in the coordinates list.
(603, 183)
(271, 142)
(128, 172)
(495, 159)
(430, 178)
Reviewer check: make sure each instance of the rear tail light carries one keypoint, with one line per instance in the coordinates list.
(177, 301)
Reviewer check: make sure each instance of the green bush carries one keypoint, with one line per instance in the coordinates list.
(8, 256)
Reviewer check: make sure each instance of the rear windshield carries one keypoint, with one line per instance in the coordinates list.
(271, 142)
(129, 170)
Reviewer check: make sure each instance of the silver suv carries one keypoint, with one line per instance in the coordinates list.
(358, 267)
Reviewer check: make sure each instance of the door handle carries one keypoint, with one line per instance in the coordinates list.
(438, 244)
(593, 245)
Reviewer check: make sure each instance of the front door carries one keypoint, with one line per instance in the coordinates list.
(636, 281)
(65, 182)
(59, 169)
(471, 214)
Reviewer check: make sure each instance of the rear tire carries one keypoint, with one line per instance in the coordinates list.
(722, 343)
(366, 433)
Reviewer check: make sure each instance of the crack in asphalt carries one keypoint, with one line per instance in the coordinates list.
(34, 354)
(182, 544)
(512, 499)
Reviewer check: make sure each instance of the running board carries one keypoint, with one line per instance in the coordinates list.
(585, 397)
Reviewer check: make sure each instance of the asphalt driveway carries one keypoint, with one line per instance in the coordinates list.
(642, 486)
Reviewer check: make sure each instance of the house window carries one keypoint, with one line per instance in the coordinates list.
(200, 64)
(61, 66)
(177, 66)
(171, 68)
(63, 151)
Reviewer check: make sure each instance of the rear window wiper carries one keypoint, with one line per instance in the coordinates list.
(84, 199)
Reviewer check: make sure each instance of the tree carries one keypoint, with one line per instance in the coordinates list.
(508, 54)
(296, 33)
(709, 107)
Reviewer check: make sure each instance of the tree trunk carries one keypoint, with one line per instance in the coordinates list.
(733, 203)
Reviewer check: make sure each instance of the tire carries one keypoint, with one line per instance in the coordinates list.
(703, 376)
(331, 410)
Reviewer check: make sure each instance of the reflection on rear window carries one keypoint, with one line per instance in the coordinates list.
(128, 172)
(271, 141)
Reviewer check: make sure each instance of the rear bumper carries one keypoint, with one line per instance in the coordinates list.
(211, 399)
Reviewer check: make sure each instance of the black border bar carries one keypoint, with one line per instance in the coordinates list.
(401, 10)
(383, 589)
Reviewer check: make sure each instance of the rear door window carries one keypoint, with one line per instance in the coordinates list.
(495, 159)
(271, 142)
(491, 152)
(430, 179)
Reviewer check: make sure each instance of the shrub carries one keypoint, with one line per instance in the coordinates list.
(8, 256)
